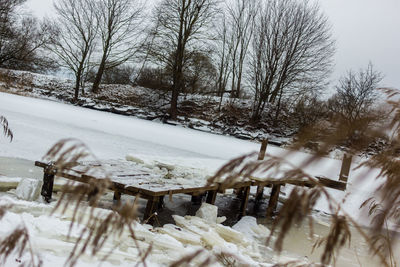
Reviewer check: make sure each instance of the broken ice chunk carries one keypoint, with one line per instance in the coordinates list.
(208, 212)
(29, 189)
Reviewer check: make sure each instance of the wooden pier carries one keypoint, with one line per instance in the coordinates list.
(154, 192)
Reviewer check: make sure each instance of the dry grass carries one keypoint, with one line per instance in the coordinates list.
(17, 243)
(384, 204)
(69, 153)
(299, 205)
(6, 129)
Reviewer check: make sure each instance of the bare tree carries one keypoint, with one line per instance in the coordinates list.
(292, 51)
(7, 10)
(179, 27)
(241, 18)
(75, 38)
(355, 96)
(119, 22)
(21, 38)
(198, 73)
(224, 53)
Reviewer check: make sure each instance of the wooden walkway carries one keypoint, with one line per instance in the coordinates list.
(143, 185)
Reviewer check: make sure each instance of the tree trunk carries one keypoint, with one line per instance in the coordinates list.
(102, 67)
(278, 110)
(77, 84)
(99, 75)
(238, 83)
(178, 67)
(173, 112)
(177, 86)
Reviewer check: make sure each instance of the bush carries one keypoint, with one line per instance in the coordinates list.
(154, 78)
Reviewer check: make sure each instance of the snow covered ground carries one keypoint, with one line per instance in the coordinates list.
(38, 124)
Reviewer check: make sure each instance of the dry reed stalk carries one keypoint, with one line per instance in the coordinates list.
(67, 154)
(6, 128)
(300, 203)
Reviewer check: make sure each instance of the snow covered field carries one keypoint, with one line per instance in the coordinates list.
(38, 124)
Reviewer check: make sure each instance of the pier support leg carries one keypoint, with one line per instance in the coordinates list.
(211, 196)
(151, 207)
(259, 197)
(48, 182)
(273, 200)
(245, 200)
(260, 188)
(160, 203)
(117, 197)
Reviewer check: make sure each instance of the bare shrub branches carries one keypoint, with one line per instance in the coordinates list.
(355, 96)
(6, 129)
(21, 38)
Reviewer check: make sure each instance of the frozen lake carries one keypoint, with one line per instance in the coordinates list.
(38, 124)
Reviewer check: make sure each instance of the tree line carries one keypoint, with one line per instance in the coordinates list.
(275, 52)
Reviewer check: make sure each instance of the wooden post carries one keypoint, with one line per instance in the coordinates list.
(263, 149)
(117, 197)
(151, 207)
(92, 194)
(48, 182)
(211, 196)
(260, 188)
(273, 200)
(160, 202)
(245, 200)
(345, 170)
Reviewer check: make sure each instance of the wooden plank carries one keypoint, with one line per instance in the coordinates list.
(41, 164)
(236, 185)
(273, 200)
(339, 185)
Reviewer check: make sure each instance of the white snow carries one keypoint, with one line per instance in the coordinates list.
(187, 154)
(38, 124)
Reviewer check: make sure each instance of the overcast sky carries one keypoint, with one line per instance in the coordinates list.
(365, 30)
